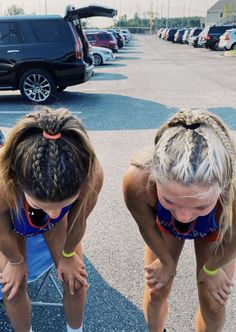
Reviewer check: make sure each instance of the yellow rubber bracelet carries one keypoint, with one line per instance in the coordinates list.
(67, 254)
(211, 273)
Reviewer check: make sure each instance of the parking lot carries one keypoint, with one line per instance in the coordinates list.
(121, 106)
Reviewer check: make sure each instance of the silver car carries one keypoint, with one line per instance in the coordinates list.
(228, 40)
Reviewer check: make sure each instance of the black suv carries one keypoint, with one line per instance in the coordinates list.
(41, 55)
(210, 36)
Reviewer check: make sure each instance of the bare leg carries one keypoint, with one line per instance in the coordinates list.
(156, 306)
(19, 308)
(73, 304)
(210, 316)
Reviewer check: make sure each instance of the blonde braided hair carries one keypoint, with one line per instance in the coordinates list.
(195, 147)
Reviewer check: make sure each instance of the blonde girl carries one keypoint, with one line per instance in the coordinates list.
(186, 190)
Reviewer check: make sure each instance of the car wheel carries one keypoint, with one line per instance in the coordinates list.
(216, 46)
(97, 59)
(233, 47)
(38, 86)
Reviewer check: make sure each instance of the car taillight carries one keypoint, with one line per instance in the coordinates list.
(78, 44)
(112, 42)
(208, 37)
(226, 37)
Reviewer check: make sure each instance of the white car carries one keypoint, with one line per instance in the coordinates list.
(228, 40)
(101, 55)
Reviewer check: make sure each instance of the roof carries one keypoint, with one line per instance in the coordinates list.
(220, 5)
(29, 17)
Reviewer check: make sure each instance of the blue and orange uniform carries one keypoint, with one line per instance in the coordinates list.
(205, 227)
(28, 221)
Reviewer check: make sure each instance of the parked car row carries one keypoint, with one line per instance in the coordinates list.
(103, 43)
(212, 37)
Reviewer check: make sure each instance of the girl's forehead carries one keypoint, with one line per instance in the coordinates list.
(175, 190)
(42, 204)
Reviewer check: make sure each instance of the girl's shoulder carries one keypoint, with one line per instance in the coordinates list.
(138, 186)
(4, 205)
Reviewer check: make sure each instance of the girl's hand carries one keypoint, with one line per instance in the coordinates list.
(72, 270)
(11, 278)
(158, 275)
(219, 286)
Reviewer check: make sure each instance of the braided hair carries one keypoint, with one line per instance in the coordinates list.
(48, 169)
(195, 147)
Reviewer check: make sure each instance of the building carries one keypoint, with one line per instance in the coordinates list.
(222, 10)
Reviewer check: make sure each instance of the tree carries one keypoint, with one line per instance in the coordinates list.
(14, 10)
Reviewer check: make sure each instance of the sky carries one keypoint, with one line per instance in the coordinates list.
(129, 7)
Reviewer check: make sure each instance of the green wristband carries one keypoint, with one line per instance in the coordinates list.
(211, 273)
(67, 254)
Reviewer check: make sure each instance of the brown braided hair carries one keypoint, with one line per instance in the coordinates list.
(49, 170)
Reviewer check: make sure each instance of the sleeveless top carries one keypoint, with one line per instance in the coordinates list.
(27, 221)
(199, 228)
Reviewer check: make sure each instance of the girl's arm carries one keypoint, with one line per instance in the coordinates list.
(227, 250)
(15, 269)
(141, 203)
(76, 218)
(8, 243)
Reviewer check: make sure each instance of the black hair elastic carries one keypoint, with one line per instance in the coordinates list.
(191, 127)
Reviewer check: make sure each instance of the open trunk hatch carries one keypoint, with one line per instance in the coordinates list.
(74, 14)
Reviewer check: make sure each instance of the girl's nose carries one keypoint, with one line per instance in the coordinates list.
(54, 214)
(184, 215)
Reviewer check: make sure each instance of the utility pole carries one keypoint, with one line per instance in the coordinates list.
(120, 14)
(168, 14)
(189, 9)
(151, 18)
(46, 6)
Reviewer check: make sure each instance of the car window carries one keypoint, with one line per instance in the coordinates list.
(51, 31)
(9, 34)
(90, 37)
(103, 36)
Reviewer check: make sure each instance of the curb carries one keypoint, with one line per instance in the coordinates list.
(230, 53)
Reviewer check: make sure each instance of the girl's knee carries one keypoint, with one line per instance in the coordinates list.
(211, 308)
(159, 296)
(21, 294)
(78, 288)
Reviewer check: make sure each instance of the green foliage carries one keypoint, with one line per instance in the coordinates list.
(14, 10)
(175, 22)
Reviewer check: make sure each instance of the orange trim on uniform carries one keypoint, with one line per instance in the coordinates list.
(161, 228)
(30, 221)
(212, 237)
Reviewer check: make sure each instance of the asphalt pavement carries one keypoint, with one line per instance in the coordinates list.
(121, 106)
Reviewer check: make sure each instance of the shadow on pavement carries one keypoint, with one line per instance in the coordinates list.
(129, 52)
(108, 77)
(106, 111)
(127, 57)
(106, 309)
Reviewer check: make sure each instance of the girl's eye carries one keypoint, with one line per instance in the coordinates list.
(168, 202)
(202, 208)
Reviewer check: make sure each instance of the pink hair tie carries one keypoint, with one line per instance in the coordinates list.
(48, 136)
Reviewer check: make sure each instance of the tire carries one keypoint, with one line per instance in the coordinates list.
(216, 47)
(97, 59)
(38, 86)
(233, 47)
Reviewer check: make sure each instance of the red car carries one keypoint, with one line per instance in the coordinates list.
(102, 39)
